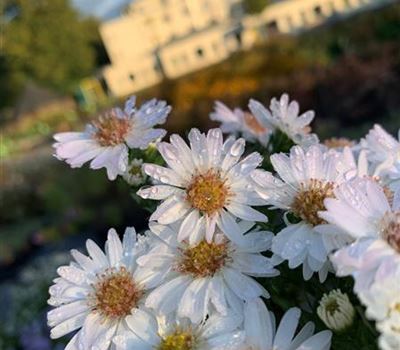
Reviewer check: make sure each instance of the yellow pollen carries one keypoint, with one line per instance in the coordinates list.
(136, 170)
(397, 307)
(178, 341)
(116, 294)
(204, 259)
(253, 124)
(111, 129)
(388, 193)
(310, 200)
(338, 142)
(332, 306)
(207, 192)
(391, 229)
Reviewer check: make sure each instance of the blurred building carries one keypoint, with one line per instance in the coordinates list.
(157, 39)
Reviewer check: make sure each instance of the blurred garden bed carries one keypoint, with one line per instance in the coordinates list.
(44, 201)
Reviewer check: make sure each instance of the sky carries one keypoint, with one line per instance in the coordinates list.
(103, 9)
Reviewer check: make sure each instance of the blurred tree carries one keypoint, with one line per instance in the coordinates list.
(44, 41)
(255, 6)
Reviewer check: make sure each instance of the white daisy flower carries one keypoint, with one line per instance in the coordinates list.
(206, 276)
(97, 292)
(384, 152)
(106, 142)
(360, 167)
(383, 305)
(361, 208)
(284, 116)
(390, 341)
(206, 184)
(390, 331)
(259, 326)
(171, 333)
(336, 310)
(306, 179)
(241, 122)
(134, 174)
(382, 299)
(381, 145)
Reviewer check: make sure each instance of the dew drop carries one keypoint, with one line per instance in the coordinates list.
(237, 148)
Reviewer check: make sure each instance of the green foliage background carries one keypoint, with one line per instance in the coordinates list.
(45, 41)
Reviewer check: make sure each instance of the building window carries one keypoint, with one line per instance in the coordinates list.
(318, 11)
(238, 37)
(200, 52)
(132, 77)
(272, 27)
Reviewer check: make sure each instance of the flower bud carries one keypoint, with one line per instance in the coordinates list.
(336, 310)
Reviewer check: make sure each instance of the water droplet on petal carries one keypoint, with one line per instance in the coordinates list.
(237, 148)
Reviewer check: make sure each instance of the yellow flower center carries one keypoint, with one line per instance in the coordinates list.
(253, 124)
(178, 341)
(397, 307)
(391, 229)
(388, 193)
(310, 200)
(136, 170)
(111, 129)
(116, 293)
(207, 192)
(338, 142)
(332, 306)
(204, 259)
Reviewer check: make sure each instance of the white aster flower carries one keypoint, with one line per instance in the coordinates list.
(390, 331)
(382, 300)
(306, 179)
(384, 152)
(172, 333)
(97, 292)
(358, 166)
(336, 310)
(203, 277)
(259, 326)
(206, 184)
(106, 141)
(389, 341)
(284, 116)
(362, 209)
(134, 174)
(238, 121)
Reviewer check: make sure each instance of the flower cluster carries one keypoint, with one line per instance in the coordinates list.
(227, 224)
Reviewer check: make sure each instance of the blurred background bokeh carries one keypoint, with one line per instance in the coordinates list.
(63, 62)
